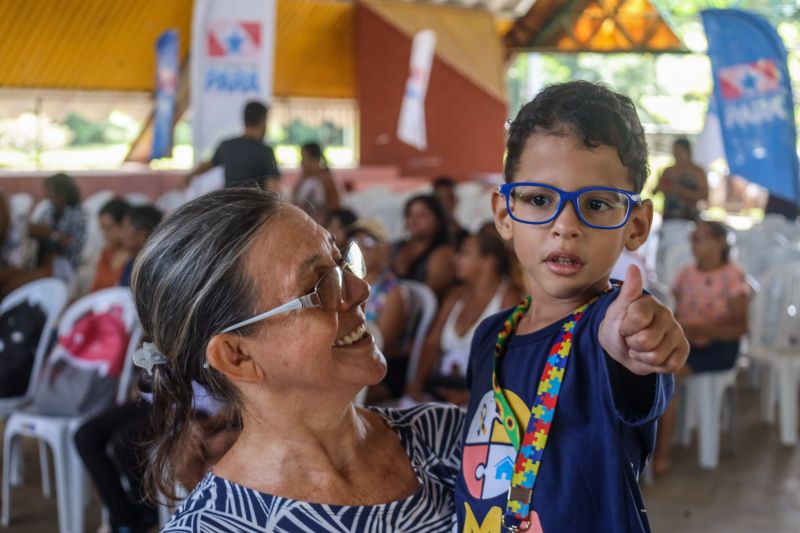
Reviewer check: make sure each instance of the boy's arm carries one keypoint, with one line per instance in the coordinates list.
(641, 334)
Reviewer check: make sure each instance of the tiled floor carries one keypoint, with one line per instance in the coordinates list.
(755, 489)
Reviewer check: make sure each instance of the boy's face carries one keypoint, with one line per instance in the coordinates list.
(542, 250)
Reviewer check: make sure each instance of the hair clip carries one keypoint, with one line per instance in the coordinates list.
(148, 356)
(507, 124)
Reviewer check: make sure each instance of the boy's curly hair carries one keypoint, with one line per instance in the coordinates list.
(591, 112)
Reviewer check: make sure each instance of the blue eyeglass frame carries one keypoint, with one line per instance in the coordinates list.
(572, 197)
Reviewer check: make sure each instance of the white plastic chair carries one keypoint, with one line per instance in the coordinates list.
(39, 209)
(170, 201)
(50, 294)
(19, 206)
(703, 408)
(138, 199)
(774, 339)
(756, 250)
(422, 310)
(677, 256)
(59, 431)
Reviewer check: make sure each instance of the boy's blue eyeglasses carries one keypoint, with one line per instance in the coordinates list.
(596, 207)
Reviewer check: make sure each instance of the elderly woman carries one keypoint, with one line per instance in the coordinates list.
(249, 297)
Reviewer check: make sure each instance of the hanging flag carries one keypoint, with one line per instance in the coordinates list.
(754, 100)
(411, 126)
(166, 92)
(232, 57)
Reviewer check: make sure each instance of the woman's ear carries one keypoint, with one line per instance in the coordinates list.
(638, 227)
(229, 354)
(502, 220)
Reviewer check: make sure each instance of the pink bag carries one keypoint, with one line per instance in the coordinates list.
(97, 340)
(82, 373)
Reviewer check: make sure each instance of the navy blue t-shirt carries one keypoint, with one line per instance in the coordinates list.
(602, 432)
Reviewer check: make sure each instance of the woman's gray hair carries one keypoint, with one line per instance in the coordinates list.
(189, 283)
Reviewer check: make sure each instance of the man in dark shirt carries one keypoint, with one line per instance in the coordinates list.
(248, 162)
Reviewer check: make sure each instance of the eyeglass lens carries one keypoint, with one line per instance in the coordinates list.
(330, 287)
(598, 208)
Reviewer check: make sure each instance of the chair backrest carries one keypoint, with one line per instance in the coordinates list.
(94, 235)
(756, 250)
(775, 310)
(422, 305)
(39, 210)
(138, 198)
(676, 257)
(50, 294)
(102, 301)
(170, 201)
(20, 204)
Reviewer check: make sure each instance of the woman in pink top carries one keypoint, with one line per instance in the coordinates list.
(711, 305)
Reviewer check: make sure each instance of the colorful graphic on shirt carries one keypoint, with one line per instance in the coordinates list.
(488, 462)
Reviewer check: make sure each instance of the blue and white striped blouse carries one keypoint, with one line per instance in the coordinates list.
(430, 435)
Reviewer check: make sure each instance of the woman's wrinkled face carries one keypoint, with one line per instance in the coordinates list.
(420, 221)
(309, 348)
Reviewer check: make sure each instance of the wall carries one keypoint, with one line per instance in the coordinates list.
(465, 124)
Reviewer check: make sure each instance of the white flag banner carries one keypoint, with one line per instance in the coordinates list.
(232, 58)
(411, 127)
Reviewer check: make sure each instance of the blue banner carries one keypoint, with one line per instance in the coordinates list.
(753, 95)
(166, 91)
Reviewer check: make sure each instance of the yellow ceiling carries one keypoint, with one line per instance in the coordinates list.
(109, 44)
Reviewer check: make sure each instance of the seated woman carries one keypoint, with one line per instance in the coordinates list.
(316, 192)
(427, 254)
(482, 267)
(711, 299)
(61, 233)
(114, 255)
(249, 297)
(386, 307)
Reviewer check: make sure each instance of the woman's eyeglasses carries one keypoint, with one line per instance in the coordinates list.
(596, 207)
(327, 294)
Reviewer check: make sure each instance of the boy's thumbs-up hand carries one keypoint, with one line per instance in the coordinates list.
(640, 333)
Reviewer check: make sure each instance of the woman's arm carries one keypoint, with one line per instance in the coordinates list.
(431, 352)
(393, 319)
(440, 270)
(332, 199)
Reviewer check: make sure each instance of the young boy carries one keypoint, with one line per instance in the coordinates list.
(576, 163)
(137, 225)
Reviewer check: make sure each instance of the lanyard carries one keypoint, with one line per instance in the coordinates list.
(529, 453)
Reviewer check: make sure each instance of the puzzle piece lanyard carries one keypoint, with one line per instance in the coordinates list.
(529, 454)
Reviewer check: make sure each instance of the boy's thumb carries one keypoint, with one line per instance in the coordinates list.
(632, 286)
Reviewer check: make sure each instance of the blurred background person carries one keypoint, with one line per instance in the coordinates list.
(444, 189)
(386, 308)
(684, 184)
(316, 191)
(60, 233)
(426, 255)
(338, 222)
(247, 160)
(711, 299)
(114, 255)
(482, 267)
